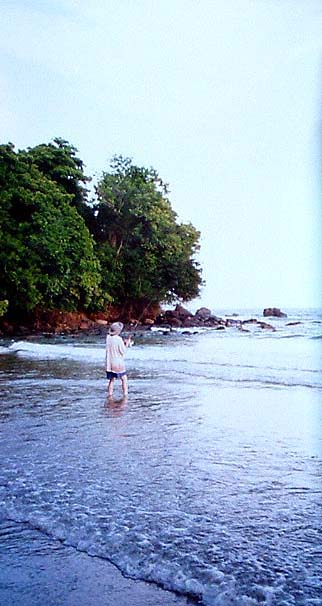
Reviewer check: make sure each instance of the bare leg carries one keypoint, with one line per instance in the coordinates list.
(110, 387)
(124, 385)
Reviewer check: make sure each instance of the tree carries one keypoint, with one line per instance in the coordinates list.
(47, 256)
(146, 256)
(59, 251)
(58, 161)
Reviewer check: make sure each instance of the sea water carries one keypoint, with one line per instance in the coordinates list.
(206, 480)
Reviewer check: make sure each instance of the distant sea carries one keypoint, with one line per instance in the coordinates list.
(206, 481)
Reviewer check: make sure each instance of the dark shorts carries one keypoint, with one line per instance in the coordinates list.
(115, 375)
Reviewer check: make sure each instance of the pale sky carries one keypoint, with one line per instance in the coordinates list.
(222, 97)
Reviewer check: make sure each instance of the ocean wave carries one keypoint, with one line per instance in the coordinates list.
(197, 559)
(228, 361)
(56, 351)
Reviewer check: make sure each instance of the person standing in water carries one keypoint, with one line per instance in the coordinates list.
(115, 352)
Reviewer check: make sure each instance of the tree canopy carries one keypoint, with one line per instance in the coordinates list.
(47, 256)
(145, 254)
(58, 250)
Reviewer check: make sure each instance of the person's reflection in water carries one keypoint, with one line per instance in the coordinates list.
(116, 406)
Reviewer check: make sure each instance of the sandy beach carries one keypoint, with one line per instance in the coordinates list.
(35, 570)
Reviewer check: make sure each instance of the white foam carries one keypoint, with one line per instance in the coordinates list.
(56, 351)
(4, 350)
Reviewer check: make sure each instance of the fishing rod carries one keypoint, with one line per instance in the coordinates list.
(132, 328)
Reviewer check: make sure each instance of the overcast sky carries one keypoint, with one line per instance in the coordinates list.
(222, 97)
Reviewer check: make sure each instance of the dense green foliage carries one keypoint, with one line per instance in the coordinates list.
(145, 254)
(60, 251)
(47, 256)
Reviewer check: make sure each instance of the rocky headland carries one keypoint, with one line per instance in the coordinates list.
(73, 323)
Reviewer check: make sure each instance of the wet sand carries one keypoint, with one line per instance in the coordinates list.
(36, 571)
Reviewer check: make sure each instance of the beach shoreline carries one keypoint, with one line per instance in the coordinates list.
(37, 570)
(205, 481)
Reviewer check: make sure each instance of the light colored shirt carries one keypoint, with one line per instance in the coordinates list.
(115, 350)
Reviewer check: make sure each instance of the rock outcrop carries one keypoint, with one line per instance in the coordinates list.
(274, 312)
(181, 317)
(73, 323)
(203, 313)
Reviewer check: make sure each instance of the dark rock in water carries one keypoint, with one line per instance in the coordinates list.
(160, 319)
(181, 312)
(250, 321)
(164, 318)
(274, 312)
(293, 323)
(175, 322)
(189, 322)
(181, 317)
(267, 326)
(174, 316)
(203, 313)
(231, 322)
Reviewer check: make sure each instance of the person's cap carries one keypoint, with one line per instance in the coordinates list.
(116, 328)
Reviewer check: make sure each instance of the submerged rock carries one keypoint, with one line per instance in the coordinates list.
(267, 326)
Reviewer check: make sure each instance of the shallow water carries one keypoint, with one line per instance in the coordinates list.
(207, 480)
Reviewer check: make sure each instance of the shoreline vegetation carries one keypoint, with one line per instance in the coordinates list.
(71, 263)
(67, 250)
